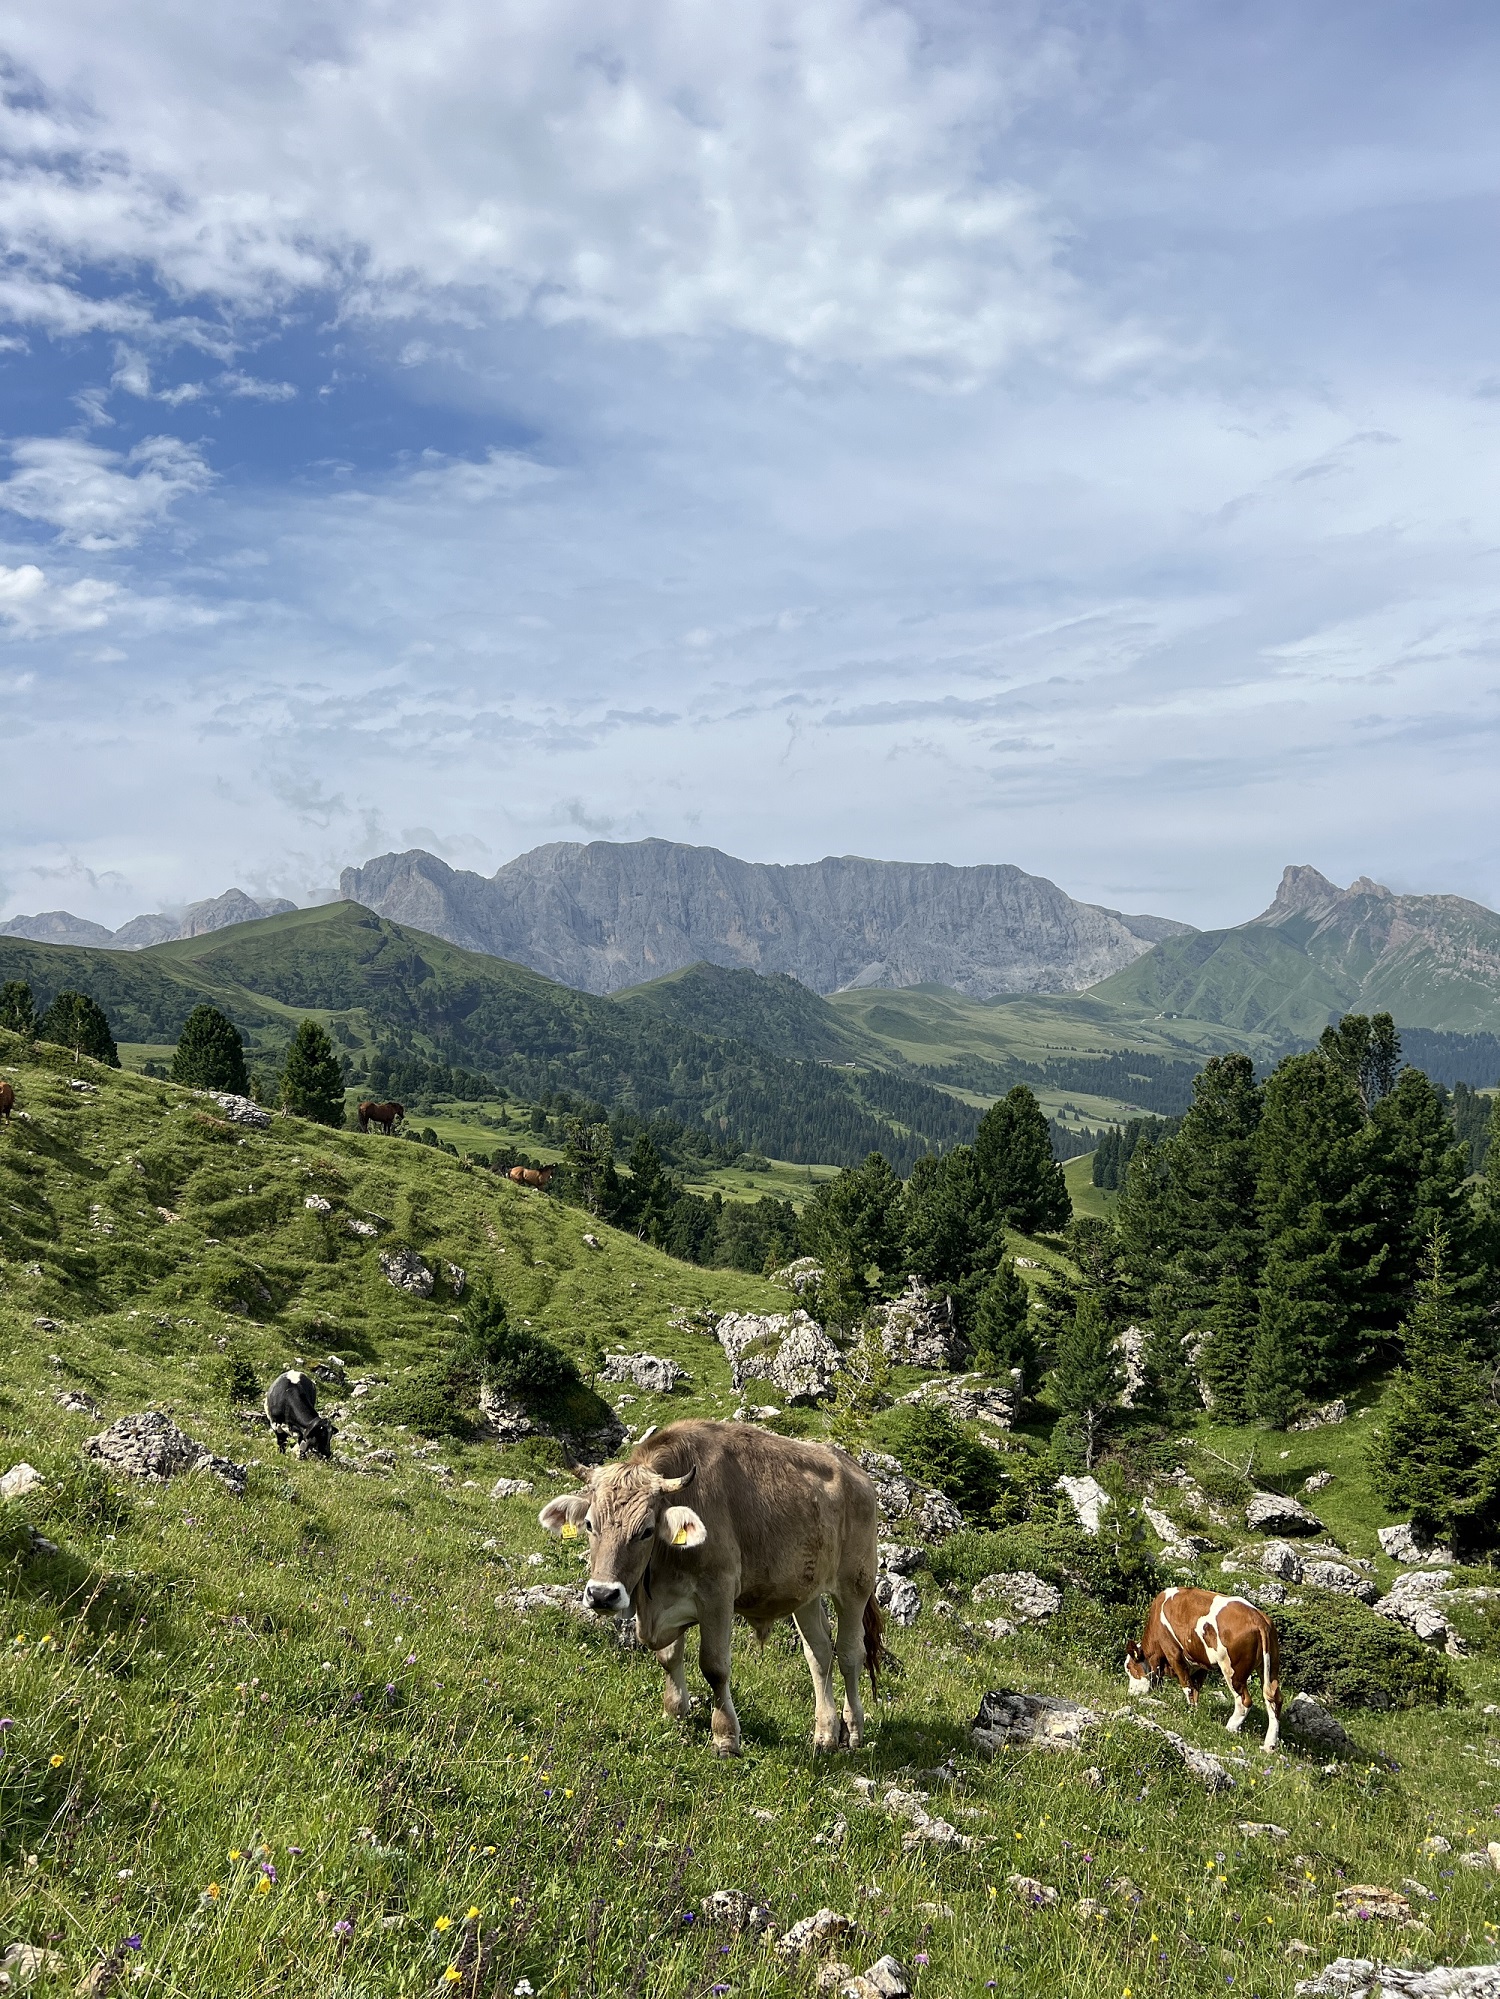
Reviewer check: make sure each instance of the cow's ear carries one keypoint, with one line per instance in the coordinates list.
(681, 1527)
(567, 1510)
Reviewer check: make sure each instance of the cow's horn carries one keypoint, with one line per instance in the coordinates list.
(677, 1484)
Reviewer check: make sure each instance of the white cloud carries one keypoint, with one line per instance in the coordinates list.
(234, 382)
(101, 499)
(32, 607)
(819, 174)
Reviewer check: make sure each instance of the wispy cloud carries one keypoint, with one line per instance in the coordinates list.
(96, 498)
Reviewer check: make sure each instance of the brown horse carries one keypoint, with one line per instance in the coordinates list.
(533, 1176)
(387, 1116)
(7, 1100)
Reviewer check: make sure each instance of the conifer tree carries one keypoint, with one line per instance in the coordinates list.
(1436, 1455)
(1365, 1049)
(1003, 1334)
(1086, 1379)
(1022, 1184)
(946, 1239)
(75, 1021)
(17, 1008)
(1421, 1171)
(312, 1084)
(855, 1222)
(210, 1054)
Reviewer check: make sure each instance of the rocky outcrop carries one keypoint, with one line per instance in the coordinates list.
(646, 1371)
(407, 1272)
(1026, 1597)
(151, 1447)
(608, 915)
(969, 1398)
(1269, 1513)
(57, 926)
(1009, 1720)
(1321, 1419)
(241, 1110)
(1402, 1545)
(1372, 1978)
(1413, 1602)
(788, 1349)
(930, 1514)
(1088, 1499)
(917, 1329)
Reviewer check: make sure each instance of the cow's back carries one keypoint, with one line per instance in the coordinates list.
(791, 1518)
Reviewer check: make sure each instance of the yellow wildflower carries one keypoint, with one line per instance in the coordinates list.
(235, 1854)
(262, 1886)
(471, 1915)
(452, 1975)
(443, 1923)
(57, 1762)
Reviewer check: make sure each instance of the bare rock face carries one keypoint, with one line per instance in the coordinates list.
(1009, 1720)
(1280, 1559)
(900, 1598)
(788, 1349)
(151, 1446)
(1269, 1513)
(1412, 1602)
(930, 1514)
(647, 1371)
(609, 915)
(406, 1270)
(1339, 1576)
(917, 1329)
(1088, 1499)
(969, 1398)
(1401, 1544)
(803, 1273)
(899, 1559)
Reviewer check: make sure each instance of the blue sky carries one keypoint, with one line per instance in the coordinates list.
(1053, 434)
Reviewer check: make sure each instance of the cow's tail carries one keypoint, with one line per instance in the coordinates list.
(1270, 1683)
(874, 1642)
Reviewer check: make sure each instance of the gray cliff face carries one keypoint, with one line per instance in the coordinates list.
(57, 926)
(608, 915)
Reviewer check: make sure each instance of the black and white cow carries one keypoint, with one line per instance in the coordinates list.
(292, 1409)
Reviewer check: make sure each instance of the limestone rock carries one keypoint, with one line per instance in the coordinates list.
(815, 1935)
(1280, 1559)
(75, 1402)
(591, 1241)
(1411, 1602)
(732, 1909)
(1008, 1720)
(1088, 1499)
(1339, 1576)
(151, 1446)
(1314, 1725)
(1026, 1596)
(511, 1488)
(1401, 1544)
(1320, 1419)
(917, 1329)
(1364, 1902)
(803, 1273)
(898, 1560)
(20, 1480)
(930, 1514)
(889, 1977)
(1208, 1770)
(240, 1110)
(1131, 1347)
(788, 1349)
(1262, 1829)
(24, 1963)
(1178, 1546)
(1026, 1888)
(646, 1371)
(969, 1398)
(1269, 1513)
(1368, 1978)
(356, 1227)
(458, 1277)
(406, 1270)
(901, 1598)
(1319, 1481)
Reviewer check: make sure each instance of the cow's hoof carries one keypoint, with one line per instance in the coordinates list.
(726, 1748)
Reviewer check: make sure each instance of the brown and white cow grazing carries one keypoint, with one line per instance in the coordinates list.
(1190, 1631)
(775, 1526)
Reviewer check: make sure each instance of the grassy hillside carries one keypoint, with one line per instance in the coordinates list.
(301, 1742)
(377, 985)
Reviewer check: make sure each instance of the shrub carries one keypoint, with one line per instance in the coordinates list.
(1342, 1654)
(237, 1378)
(441, 1398)
(1094, 1567)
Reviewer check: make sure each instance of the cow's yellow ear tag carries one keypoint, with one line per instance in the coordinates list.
(679, 1539)
(569, 1532)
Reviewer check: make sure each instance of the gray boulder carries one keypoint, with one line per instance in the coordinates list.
(1321, 1419)
(788, 1349)
(1208, 1770)
(19, 1481)
(1008, 1720)
(407, 1272)
(1340, 1577)
(898, 1559)
(1088, 1499)
(927, 1513)
(240, 1110)
(1370, 1978)
(1311, 1723)
(1401, 1544)
(917, 1329)
(969, 1398)
(647, 1371)
(900, 1597)
(151, 1447)
(1280, 1559)
(1025, 1596)
(1269, 1513)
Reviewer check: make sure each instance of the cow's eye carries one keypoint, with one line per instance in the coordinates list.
(588, 1524)
(645, 1533)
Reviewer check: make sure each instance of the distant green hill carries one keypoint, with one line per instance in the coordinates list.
(1432, 961)
(388, 987)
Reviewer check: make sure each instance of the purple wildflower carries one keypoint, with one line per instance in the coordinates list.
(268, 1869)
(133, 1943)
(343, 1927)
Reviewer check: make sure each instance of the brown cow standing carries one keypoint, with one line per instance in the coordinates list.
(532, 1176)
(387, 1116)
(776, 1525)
(7, 1099)
(1191, 1631)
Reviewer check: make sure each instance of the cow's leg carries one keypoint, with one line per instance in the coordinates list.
(817, 1648)
(715, 1642)
(851, 1647)
(1239, 1686)
(674, 1694)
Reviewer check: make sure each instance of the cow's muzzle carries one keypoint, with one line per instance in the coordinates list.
(608, 1599)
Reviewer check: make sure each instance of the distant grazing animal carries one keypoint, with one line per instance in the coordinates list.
(292, 1408)
(532, 1176)
(776, 1525)
(7, 1100)
(1190, 1631)
(387, 1116)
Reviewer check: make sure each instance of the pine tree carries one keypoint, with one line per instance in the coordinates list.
(1022, 1184)
(1003, 1334)
(1421, 1170)
(1366, 1050)
(855, 1222)
(210, 1054)
(589, 1160)
(1275, 1388)
(75, 1021)
(946, 1239)
(1436, 1456)
(17, 1008)
(312, 1084)
(1086, 1379)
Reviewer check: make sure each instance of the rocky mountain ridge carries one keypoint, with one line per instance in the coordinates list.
(608, 915)
(60, 926)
